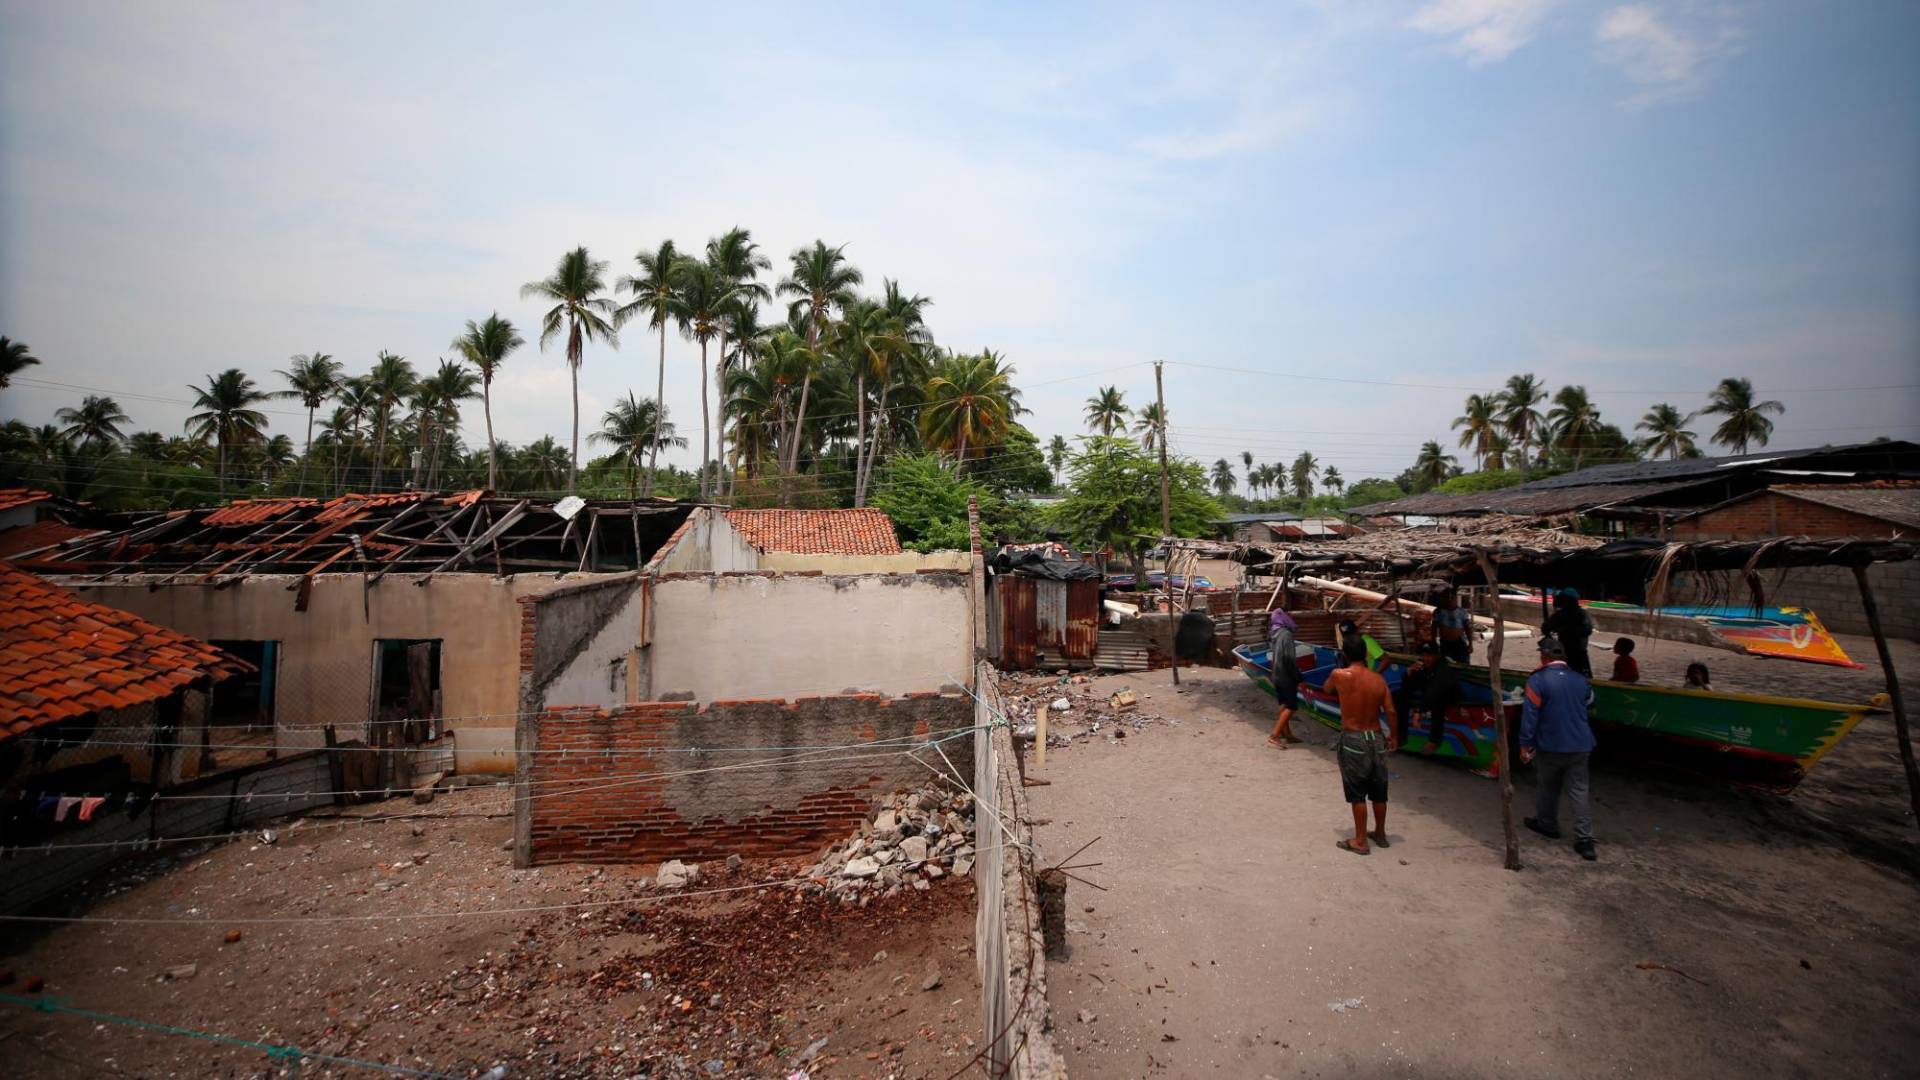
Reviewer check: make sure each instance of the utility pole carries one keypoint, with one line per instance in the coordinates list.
(1166, 507)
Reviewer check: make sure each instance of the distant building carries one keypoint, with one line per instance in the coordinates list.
(1266, 527)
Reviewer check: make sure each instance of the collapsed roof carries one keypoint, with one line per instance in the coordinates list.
(410, 532)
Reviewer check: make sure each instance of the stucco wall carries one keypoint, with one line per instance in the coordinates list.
(904, 563)
(584, 639)
(707, 542)
(764, 635)
(326, 664)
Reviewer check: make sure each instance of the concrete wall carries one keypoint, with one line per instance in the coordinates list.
(779, 635)
(706, 541)
(326, 665)
(622, 785)
(904, 563)
(579, 645)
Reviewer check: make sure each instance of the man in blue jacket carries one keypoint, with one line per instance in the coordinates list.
(1555, 736)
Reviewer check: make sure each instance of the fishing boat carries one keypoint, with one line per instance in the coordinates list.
(1469, 734)
(1787, 632)
(1754, 740)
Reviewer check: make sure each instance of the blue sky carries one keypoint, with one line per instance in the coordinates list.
(1423, 197)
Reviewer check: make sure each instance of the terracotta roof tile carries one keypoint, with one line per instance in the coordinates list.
(63, 657)
(817, 532)
(255, 511)
(41, 534)
(12, 497)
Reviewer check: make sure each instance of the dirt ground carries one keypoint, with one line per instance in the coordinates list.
(1719, 929)
(733, 984)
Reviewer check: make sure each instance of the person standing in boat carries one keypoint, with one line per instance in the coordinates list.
(1572, 627)
(1286, 674)
(1348, 630)
(1362, 747)
(1431, 687)
(1453, 628)
(1556, 738)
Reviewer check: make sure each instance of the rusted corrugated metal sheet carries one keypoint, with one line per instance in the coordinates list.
(1050, 613)
(1018, 623)
(1083, 619)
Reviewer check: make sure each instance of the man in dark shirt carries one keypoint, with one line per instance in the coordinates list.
(1432, 686)
(1571, 626)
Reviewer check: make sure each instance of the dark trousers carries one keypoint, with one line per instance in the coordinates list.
(1460, 652)
(1555, 773)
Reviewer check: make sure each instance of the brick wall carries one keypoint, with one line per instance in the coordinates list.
(619, 784)
(1769, 515)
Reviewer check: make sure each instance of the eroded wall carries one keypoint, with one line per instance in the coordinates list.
(750, 635)
(637, 783)
(325, 671)
(904, 563)
(706, 541)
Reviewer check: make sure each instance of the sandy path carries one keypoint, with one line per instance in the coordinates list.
(1232, 921)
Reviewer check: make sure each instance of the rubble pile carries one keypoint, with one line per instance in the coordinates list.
(914, 839)
(1076, 711)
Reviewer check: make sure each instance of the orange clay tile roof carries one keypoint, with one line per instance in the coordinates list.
(12, 497)
(817, 532)
(63, 657)
(41, 534)
(255, 511)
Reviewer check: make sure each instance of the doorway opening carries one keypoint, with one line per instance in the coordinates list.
(246, 700)
(406, 691)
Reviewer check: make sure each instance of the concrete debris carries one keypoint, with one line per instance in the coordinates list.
(932, 981)
(182, 971)
(733, 862)
(914, 838)
(1079, 710)
(675, 874)
(1338, 1007)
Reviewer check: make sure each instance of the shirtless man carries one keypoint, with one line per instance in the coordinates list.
(1363, 745)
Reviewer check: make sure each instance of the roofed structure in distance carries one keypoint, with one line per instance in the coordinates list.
(13, 498)
(1670, 485)
(62, 657)
(860, 531)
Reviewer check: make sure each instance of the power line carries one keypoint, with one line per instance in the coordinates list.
(1483, 389)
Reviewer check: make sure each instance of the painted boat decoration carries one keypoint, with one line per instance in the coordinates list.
(1469, 732)
(1791, 633)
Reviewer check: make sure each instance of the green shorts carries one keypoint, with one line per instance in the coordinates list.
(1363, 766)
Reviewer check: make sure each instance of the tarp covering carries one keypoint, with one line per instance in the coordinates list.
(1043, 563)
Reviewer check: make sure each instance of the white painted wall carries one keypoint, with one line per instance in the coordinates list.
(904, 563)
(599, 674)
(749, 637)
(710, 543)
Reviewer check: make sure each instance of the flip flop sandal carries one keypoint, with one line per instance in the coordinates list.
(1379, 839)
(1347, 845)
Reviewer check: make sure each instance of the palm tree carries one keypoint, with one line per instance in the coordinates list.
(968, 405)
(544, 461)
(704, 296)
(15, 357)
(1433, 465)
(1057, 456)
(391, 382)
(226, 413)
(1106, 411)
(575, 287)
(147, 445)
(1481, 422)
(738, 261)
(1305, 469)
(1246, 459)
(656, 294)
(96, 423)
(275, 455)
(1746, 419)
(1518, 414)
(486, 345)
(436, 409)
(357, 401)
(632, 427)
(1574, 420)
(1334, 481)
(819, 279)
(1667, 433)
(1497, 450)
(1147, 425)
(1222, 475)
(882, 335)
(313, 378)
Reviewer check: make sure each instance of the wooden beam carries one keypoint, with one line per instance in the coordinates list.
(1494, 651)
(1900, 729)
(492, 534)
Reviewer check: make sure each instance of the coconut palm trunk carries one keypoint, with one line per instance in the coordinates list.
(493, 456)
(575, 349)
(705, 416)
(860, 439)
(307, 457)
(659, 401)
(719, 417)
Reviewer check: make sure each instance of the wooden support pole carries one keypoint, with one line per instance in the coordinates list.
(1040, 735)
(1900, 729)
(1494, 655)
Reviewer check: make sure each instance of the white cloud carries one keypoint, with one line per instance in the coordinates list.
(1667, 61)
(1484, 31)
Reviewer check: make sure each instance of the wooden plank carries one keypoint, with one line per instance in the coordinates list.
(489, 537)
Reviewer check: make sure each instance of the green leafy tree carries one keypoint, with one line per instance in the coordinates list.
(313, 378)
(391, 382)
(1333, 480)
(1573, 421)
(1484, 480)
(1114, 498)
(1745, 420)
(1667, 433)
(1018, 465)
(1433, 466)
(486, 345)
(1479, 425)
(225, 412)
(927, 501)
(969, 405)
(821, 281)
(581, 310)
(1373, 489)
(1306, 468)
(1107, 411)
